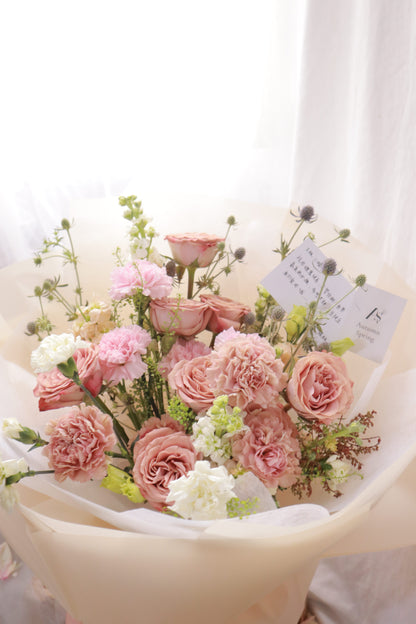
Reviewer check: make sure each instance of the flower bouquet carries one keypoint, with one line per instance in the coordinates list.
(177, 398)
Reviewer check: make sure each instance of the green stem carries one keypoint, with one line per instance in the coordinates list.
(75, 268)
(329, 242)
(191, 277)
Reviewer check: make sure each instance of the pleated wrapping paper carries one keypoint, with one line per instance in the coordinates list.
(103, 558)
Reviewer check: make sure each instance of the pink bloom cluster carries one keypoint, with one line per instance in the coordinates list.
(192, 248)
(77, 444)
(143, 276)
(120, 353)
(182, 350)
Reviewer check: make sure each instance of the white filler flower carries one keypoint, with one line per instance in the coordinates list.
(54, 350)
(203, 493)
(340, 471)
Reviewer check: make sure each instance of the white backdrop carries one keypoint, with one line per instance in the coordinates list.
(306, 100)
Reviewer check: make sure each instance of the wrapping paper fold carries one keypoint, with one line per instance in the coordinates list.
(106, 561)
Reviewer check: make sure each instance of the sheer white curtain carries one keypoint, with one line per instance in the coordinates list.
(101, 98)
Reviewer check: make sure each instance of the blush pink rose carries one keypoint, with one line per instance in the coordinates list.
(157, 423)
(181, 350)
(54, 390)
(270, 448)
(160, 457)
(246, 369)
(120, 352)
(77, 444)
(320, 387)
(141, 275)
(189, 379)
(184, 317)
(226, 313)
(190, 248)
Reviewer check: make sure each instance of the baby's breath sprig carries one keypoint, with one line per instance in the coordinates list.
(180, 412)
(240, 508)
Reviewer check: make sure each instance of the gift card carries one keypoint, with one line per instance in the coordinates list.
(368, 315)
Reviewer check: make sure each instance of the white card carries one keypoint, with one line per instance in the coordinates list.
(368, 316)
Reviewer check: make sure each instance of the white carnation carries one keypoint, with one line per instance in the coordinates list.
(11, 428)
(9, 467)
(54, 350)
(203, 493)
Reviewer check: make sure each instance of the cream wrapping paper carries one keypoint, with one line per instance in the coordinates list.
(227, 571)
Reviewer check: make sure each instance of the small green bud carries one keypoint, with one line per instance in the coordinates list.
(329, 266)
(65, 224)
(360, 280)
(231, 220)
(239, 253)
(344, 234)
(47, 284)
(38, 291)
(31, 328)
(127, 214)
(221, 246)
(122, 201)
(339, 347)
(37, 260)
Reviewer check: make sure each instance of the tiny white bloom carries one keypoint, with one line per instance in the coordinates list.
(340, 471)
(54, 350)
(11, 428)
(203, 493)
(8, 566)
(206, 441)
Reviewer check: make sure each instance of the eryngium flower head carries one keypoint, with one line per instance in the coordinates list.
(171, 268)
(307, 213)
(329, 266)
(239, 253)
(277, 313)
(360, 280)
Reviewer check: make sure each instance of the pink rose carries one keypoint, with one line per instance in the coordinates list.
(184, 317)
(320, 387)
(77, 444)
(181, 350)
(142, 275)
(193, 248)
(55, 390)
(226, 313)
(120, 353)
(270, 448)
(246, 369)
(157, 423)
(189, 379)
(160, 457)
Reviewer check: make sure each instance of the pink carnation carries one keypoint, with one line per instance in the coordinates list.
(161, 456)
(270, 448)
(77, 444)
(246, 369)
(182, 350)
(143, 275)
(120, 351)
(55, 390)
(189, 379)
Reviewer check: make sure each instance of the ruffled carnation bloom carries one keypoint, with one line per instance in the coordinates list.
(161, 456)
(93, 321)
(224, 336)
(246, 369)
(269, 448)
(190, 248)
(183, 317)
(320, 387)
(189, 379)
(203, 493)
(143, 276)
(77, 444)
(226, 312)
(54, 390)
(120, 353)
(53, 350)
(181, 350)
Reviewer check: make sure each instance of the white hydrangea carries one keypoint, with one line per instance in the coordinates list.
(11, 428)
(54, 350)
(340, 471)
(203, 493)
